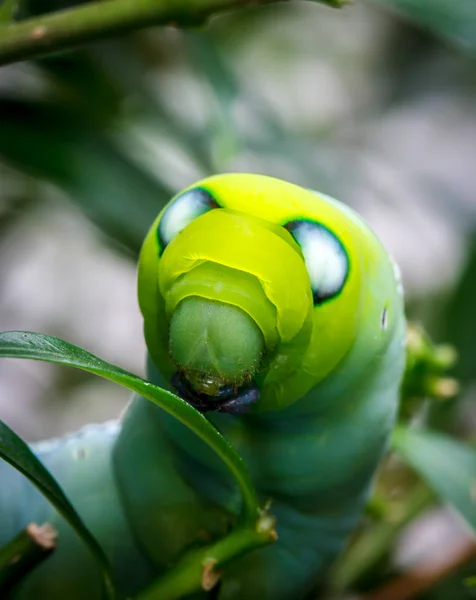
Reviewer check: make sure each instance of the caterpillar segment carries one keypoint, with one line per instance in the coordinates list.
(276, 312)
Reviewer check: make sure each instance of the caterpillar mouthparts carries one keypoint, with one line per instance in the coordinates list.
(215, 346)
(229, 399)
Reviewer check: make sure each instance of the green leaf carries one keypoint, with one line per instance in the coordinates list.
(470, 581)
(59, 144)
(448, 466)
(224, 89)
(459, 326)
(99, 82)
(14, 450)
(21, 344)
(454, 20)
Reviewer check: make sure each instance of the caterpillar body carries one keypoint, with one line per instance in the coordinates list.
(277, 312)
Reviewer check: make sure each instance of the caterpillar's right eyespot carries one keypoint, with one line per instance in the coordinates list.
(326, 260)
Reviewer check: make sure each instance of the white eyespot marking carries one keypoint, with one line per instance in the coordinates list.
(384, 319)
(181, 212)
(326, 260)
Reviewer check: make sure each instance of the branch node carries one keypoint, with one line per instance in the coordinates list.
(210, 577)
(23, 553)
(38, 32)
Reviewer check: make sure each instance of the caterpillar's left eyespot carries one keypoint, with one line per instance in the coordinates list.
(326, 260)
(182, 211)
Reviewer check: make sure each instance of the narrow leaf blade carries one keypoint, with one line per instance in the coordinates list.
(455, 21)
(448, 466)
(14, 451)
(22, 344)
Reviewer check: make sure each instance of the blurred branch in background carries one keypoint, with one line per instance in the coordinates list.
(427, 573)
(97, 20)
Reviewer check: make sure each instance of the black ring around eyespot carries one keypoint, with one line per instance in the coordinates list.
(294, 227)
(200, 201)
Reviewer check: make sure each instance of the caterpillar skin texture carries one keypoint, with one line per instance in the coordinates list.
(310, 279)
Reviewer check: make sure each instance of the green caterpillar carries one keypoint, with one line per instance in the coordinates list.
(277, 312)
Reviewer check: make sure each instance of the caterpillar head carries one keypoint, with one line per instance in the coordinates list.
(251, 289)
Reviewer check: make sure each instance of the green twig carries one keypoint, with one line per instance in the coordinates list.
(67, 28)
(373, 543)
(200, 569)
(23, 553)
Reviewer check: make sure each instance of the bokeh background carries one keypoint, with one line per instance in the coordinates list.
(374, 104)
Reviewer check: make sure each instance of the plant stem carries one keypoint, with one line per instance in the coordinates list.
(67, 28)
(200, 569)
(23, 553)
(372, 544)
(427, 573)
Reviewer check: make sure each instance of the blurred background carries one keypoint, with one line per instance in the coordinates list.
(374, 104)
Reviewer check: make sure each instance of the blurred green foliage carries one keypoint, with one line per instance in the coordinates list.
(338, 101)
(453, 21)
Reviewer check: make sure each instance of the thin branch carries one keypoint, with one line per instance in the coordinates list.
(373, 543)
(23, 553)
(201, 569)
(66, 29)
(426, 574)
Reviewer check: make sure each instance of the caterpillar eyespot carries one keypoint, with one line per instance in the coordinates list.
(182, 211)
(326, 259)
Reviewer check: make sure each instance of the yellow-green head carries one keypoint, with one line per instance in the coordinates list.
(247, 280)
